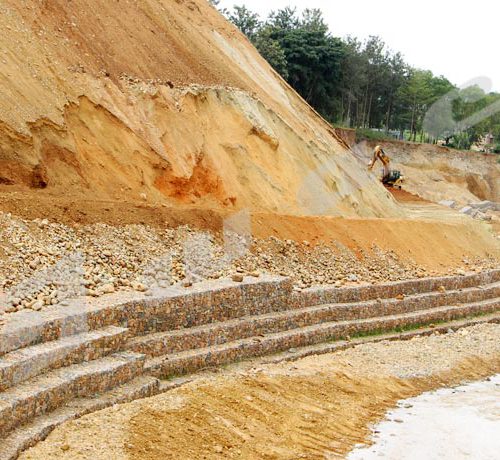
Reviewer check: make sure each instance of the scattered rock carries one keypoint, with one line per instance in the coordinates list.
(136, 286)
(468, 210)
(484, 217)
(37, 306)
(108, 289)
(52, 263)
(486, 205)
(448, 203)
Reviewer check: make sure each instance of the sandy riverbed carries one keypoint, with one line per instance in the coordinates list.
(316, 408)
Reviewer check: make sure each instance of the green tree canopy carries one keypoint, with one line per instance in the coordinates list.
(363, 84)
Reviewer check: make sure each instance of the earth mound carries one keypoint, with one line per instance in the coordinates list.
(165, 102)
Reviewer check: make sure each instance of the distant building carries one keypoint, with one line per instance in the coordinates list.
(486, 144)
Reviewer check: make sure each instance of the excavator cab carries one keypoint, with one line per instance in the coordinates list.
(393, 179)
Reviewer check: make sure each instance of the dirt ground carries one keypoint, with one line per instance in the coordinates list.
(437, 173)
(315, 408)
(431, 236)
(404, 196)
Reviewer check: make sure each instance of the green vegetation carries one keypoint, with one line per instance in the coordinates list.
(364, 85)
(419, 326)
(363, 134)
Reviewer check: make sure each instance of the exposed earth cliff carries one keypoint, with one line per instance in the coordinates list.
(165, 102)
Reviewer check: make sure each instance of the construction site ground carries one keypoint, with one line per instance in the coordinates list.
(314, 408)
(455, 237)
(131, 135)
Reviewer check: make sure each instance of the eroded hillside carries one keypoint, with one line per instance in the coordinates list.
(163, 101)
(438, 173)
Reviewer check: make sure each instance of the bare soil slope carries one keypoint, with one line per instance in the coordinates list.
(438, 173)
(162, 101)
(161, 112)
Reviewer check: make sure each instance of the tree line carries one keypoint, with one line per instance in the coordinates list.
(363, 84)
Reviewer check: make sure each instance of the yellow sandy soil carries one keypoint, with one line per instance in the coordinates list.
(99, 98)
(316, 408)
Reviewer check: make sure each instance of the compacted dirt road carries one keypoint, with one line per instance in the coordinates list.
(315, 408)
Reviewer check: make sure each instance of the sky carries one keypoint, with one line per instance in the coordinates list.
(456, 39)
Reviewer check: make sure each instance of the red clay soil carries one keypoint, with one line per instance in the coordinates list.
(403, 196)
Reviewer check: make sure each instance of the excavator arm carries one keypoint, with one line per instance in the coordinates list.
(379, 154)
(391, 178)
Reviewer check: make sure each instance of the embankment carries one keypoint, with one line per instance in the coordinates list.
(316, 408)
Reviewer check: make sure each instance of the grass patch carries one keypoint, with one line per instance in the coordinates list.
(363, 134)
(408, 328)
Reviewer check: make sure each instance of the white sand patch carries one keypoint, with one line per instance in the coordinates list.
(455, 423)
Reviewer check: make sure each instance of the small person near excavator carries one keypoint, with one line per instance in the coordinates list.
(390, 177)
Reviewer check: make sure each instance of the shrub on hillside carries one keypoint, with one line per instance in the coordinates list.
(364, 134)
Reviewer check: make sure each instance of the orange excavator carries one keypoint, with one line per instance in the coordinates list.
(391, 177)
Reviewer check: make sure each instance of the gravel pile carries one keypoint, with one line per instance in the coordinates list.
(43, 263)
